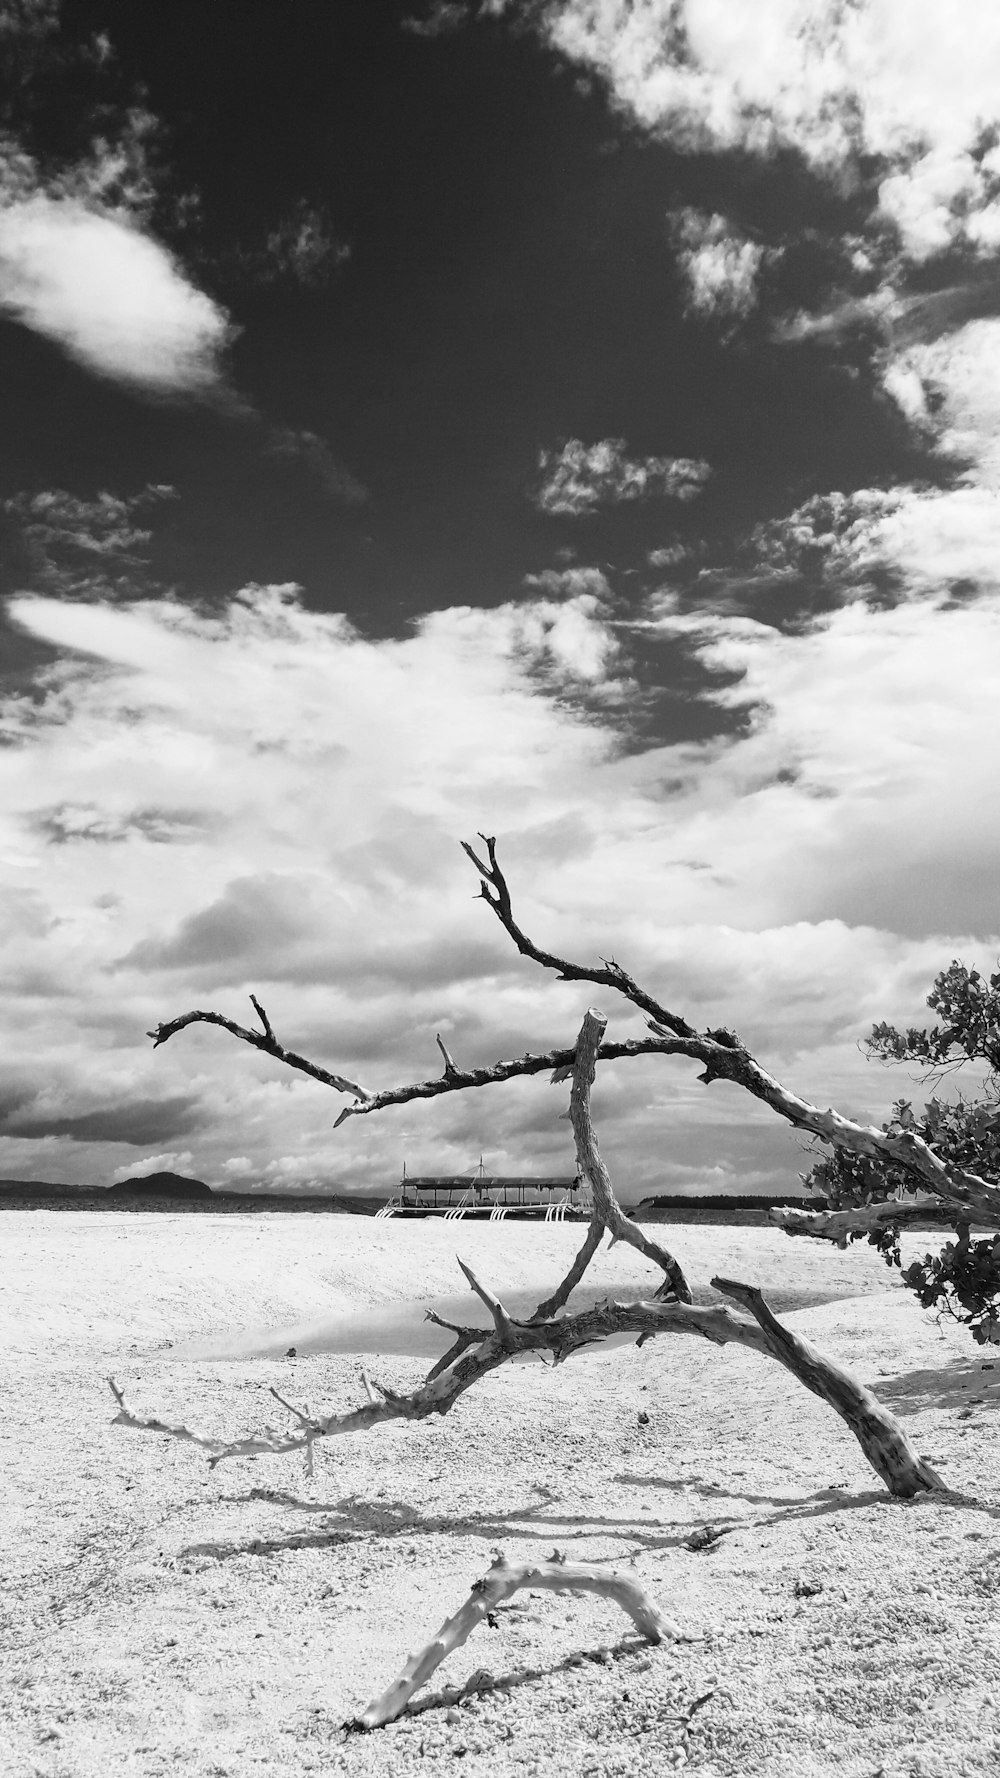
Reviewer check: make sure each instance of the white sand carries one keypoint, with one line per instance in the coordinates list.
(159, 1616)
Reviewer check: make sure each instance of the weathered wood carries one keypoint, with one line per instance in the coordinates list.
(500, 1583)
(606, 1205)
(863, 1219)
(877, 1431)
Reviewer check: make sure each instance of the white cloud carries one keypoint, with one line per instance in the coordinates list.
(170, 1161)
(74, 544)
(79, 266)
(580, 478)
(958, 379)
(914, 82)
(927, 539)
(112, 297)
(797, 881)
(720, 266)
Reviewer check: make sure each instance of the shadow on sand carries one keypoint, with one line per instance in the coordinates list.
(971, 1384)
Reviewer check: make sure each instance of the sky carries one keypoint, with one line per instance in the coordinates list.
(571, 420)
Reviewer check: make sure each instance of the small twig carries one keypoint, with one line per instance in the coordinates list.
(449, 1064)
(304, 1419)
(265, 1021)
(501, 1320)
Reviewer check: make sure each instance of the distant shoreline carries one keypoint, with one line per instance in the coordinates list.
(28, 1196)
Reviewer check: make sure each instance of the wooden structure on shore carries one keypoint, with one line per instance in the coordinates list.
(490, 1196)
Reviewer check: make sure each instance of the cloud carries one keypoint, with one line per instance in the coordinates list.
(261, 800)
(719, 265)
(71, 544)
(79, 266)
(170, 1161)
(950, 388)
(580, 478)
(137, 1122)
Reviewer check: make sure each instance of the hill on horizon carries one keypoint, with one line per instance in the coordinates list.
(172, 1185)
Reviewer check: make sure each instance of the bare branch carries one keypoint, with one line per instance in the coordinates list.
(606, 1205)
(459, 1080)
(864, 1219)
(501, 1582)
(495, 892)
(724, 1061)
(878, 1432)
(501, 1320)
(264, 1040)
(563, 1291)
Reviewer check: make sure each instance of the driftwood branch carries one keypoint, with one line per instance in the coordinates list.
(606, 1206)
(863, 1219)
(478, 1351)
(260, 1040)
(500, 1583)
(952, 1184)
(484, 1352)
(564, 1290)
(878, 1432)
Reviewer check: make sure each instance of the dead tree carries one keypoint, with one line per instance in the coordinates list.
(667, 1309)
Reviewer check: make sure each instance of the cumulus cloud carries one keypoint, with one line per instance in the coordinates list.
(581, 478)
(950, 387)
(719, 265)
(915, 86)
(799, 875)
(79, 266)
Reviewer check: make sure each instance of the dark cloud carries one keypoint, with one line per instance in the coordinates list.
(282, 929)
(139, 1122)
(85, 821)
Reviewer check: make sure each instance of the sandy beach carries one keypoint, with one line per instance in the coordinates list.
(230, 1620)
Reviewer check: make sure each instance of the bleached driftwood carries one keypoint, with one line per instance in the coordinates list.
(862, 1219)
(500, 1583)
